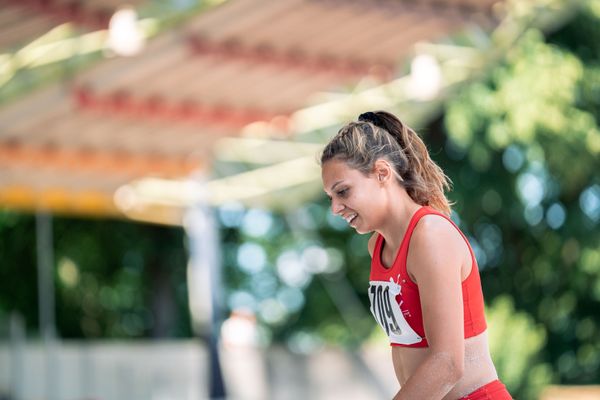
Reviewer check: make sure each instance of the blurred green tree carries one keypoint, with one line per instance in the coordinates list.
(525, 148)
(112, 278)
(515, 344)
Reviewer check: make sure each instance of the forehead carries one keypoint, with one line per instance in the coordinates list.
(334, 171)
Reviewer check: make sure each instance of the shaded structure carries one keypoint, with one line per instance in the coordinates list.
(69, 147)
(24, 21)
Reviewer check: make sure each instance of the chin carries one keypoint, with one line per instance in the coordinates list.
(361, 230)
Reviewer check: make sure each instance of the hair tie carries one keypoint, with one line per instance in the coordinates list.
(372, 118)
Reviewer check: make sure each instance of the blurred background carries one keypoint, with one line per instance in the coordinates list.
(163, 231)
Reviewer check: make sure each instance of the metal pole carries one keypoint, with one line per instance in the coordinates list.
(47, 327)
(17, 369)
(204, 286)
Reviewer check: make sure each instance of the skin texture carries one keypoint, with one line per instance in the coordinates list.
(438, 261)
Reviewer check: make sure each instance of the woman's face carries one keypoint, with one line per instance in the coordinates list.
(354, 196)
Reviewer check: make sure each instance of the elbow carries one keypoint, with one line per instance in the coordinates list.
(457, 370)
(453, 366)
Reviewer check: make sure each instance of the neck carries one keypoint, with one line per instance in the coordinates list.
(401, 209)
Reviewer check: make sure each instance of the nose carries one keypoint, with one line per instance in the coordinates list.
(336, 207)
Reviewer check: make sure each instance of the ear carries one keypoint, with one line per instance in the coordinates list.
(382, 171)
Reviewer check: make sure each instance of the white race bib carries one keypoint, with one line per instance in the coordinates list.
(387, 312)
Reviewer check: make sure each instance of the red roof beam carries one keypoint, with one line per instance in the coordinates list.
(291, 59)
(89, 160)
(124, 103)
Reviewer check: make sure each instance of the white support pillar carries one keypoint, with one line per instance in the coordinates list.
(46, 304)
(17, 365)
(204, 284)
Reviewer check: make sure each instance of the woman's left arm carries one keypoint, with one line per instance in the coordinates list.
(435, 262)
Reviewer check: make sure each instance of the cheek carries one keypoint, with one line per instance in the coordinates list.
(370, 209)
(378, 210)
(369, 199)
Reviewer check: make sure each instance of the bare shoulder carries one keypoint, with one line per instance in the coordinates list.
(435, 239)
(436, 230)
(371, 244)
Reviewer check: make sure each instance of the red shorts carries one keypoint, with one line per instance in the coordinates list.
(495, 390)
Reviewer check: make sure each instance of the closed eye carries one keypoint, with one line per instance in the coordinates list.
(341, 193)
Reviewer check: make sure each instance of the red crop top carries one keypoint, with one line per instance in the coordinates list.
(394, 297)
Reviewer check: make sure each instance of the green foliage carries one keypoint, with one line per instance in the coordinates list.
(301, 277)
(523, 147)
(515, 343)
(18, 274)
(112, 278)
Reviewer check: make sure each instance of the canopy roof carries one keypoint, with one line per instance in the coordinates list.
(242, 69)
(22, 21)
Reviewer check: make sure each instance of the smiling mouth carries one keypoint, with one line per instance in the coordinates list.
(351, 218)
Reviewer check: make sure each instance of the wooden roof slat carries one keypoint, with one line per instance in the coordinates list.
(267, 82)
(364, 32)
(217, 76)
(147, 71)
(258, 81)
(113, 133)
(43, 105)
(107, 4)
(152, 137)
(58, 133)
(301, 89)
(124, 68)
(328, 21)
(83, 178)
(255, 87)
(17, 174)
(275, 24)
(221, 15)
(102, 137)
(187, 73)
(43, 130)
(195, 143)
(101, 131)
(366, 29)
(26, 30)
(481, 5)
(96, 131)
(84, 5)
(429, 28)
(217, 23)
(10, 15)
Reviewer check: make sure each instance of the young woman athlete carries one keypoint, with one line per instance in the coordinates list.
(424, 288)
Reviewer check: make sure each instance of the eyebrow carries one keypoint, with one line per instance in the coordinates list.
(335, 184)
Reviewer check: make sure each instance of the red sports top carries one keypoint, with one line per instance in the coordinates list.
(395, 300)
